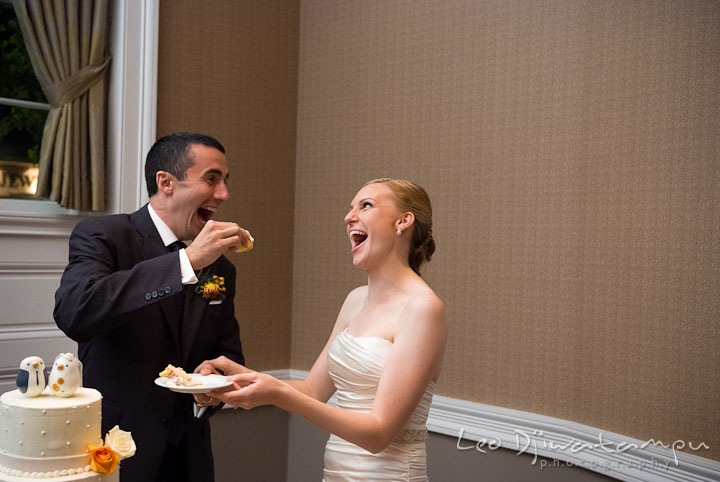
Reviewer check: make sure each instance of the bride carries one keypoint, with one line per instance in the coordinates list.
(384, 354)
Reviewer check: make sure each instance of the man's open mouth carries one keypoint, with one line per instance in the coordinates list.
(357, 237)
(206, 213)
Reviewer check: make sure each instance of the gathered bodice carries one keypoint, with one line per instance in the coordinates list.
(356, 364)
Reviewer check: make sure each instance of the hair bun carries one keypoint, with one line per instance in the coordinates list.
(423, 252)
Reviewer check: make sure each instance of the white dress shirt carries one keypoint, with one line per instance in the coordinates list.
(168, 237)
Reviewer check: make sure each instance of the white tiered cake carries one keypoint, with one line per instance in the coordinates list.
(58, 437)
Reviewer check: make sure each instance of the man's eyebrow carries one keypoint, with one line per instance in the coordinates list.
(215, 172)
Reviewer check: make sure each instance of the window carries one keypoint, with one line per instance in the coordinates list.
(23, 110)
(131, 117)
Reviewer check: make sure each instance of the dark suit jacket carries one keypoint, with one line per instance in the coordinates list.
(121, 299)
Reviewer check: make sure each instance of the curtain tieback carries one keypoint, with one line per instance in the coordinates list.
(73, 86)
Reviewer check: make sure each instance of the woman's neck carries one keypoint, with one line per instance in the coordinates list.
(389, 280)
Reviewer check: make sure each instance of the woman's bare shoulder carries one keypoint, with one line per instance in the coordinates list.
(357, 294)
(352, 305)
(425, 299)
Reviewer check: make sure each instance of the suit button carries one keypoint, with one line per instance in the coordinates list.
(148, 296)
(154, 294)
(167, 290)
(161, 292)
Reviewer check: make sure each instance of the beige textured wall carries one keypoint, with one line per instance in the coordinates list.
(229, 69)
(571, 152)
(570, 149)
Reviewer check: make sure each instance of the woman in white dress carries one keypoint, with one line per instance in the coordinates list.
(384, 354)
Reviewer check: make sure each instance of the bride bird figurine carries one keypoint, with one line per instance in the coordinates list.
(65, 376)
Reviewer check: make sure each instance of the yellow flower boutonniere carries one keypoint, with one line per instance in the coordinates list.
(210, 287)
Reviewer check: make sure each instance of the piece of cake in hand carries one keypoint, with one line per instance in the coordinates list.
(248, 246)
(177, 377)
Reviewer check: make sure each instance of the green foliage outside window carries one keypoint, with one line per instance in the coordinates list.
(20, 128)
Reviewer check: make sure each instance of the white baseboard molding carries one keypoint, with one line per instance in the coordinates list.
(484, 428)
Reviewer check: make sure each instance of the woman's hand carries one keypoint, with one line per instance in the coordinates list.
(222, 366)
(252, 389)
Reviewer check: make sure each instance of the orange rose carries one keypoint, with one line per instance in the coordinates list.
(103, 460)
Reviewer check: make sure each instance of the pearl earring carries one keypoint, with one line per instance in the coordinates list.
(399, 231)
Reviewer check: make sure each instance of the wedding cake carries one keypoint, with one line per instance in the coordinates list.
(56, 434)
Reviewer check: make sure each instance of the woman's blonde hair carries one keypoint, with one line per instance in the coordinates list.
(409, 197)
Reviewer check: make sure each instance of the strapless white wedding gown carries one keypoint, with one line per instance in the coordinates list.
(355, 365)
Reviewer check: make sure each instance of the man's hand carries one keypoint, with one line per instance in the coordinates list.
(215, 239)
(221, 365)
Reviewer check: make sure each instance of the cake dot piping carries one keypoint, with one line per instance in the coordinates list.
(43, 475)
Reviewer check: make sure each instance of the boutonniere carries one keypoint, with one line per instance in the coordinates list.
(209, 286)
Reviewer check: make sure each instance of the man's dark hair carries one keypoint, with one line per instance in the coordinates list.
(172, 154)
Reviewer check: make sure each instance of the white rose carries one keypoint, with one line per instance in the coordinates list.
(121, 442)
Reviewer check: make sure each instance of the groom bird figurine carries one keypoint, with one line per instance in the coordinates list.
(30, 378)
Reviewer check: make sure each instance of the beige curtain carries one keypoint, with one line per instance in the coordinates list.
(67, 42)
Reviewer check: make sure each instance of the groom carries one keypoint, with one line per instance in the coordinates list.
(132, 297)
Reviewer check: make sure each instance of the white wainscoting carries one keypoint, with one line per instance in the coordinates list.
(32, 259)
(481, 427)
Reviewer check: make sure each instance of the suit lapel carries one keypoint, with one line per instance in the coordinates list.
(152, 246)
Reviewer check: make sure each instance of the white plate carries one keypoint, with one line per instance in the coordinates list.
(209, 383)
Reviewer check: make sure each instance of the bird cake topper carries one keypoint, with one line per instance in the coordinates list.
(65, 376)
(30, 378)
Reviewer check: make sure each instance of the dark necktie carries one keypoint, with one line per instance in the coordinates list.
(176, 246)
(177, 424)
(179, 297)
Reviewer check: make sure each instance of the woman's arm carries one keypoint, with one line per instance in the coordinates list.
(412, 363)
(317, 384)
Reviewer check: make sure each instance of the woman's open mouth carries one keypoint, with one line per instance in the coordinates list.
(357, 238)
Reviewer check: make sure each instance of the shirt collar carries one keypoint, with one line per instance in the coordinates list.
(168, 237)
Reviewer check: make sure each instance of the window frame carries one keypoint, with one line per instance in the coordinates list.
(131, 118)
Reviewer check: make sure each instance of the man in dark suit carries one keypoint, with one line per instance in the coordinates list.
(130, 296)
